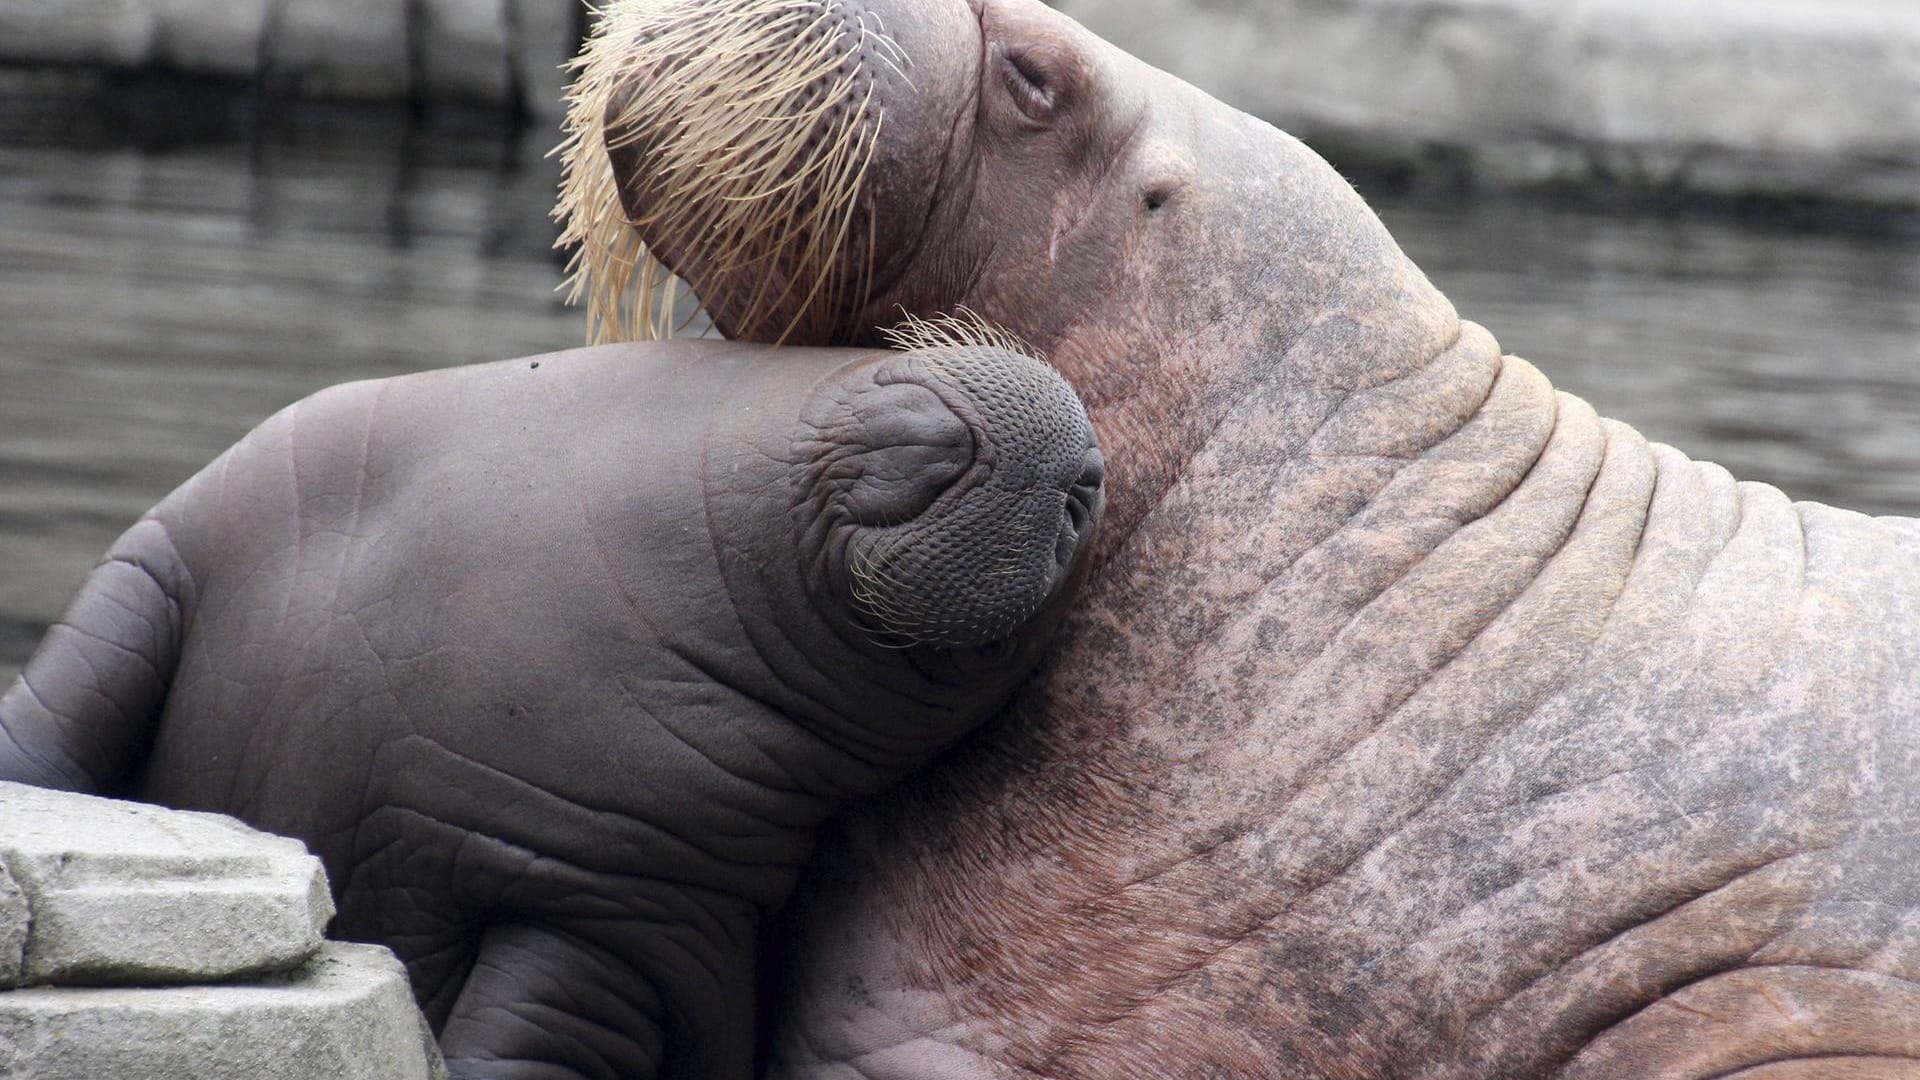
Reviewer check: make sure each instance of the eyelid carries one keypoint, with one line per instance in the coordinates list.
(1023, 62)
(1030, 84)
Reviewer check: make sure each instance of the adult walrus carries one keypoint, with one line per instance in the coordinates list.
(1415, 722)
(556, 663)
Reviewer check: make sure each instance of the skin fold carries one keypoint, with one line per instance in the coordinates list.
(1415, 721)
(558, 663)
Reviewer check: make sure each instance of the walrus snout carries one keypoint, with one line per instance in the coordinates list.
(725, 142)
(951, 490)
(732, 144)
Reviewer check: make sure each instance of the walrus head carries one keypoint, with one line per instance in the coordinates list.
(816, 169)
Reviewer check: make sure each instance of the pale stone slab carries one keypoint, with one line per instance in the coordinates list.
(463, 51)
(15, 918)
(186, 35)
(347, 1015)
(345, 49)
(1774, 97)
(222, 39)
(475, 51)
(107, 33)
(118, 892)
(546, 35)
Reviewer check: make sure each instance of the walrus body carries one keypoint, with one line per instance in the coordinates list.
(556, 663)
(1416, 721)
(1475, 739)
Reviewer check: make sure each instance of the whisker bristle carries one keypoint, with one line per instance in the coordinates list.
(757, 157)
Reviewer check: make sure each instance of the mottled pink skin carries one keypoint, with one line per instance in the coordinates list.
(1536, 748)
(1416, 722)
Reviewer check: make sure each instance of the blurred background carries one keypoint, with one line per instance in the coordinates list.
(1703, 215)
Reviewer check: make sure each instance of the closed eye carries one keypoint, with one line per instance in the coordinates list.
(1031, 87)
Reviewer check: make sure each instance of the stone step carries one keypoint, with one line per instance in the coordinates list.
(1794, 98)
(100, 892)
(345, 1015)
(495, 53)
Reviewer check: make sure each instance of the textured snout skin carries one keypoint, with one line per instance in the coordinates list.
(558, 662)
(1025, 475)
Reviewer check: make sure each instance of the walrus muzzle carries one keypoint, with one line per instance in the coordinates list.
(946, 491)
(724, 140)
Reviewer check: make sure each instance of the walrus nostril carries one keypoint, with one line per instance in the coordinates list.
(1083, 504)
(997, 650)
(1092, 476)
(1078, 515)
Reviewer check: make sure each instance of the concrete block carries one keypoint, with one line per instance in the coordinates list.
(15, 920)
(118, 892)
(346, 1015)
(463, 49)
(344, 49)
(223, 39)
(103, 33)
(546, 35)
(1791, 97)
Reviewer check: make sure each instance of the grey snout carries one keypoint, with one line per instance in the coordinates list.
(958, 485)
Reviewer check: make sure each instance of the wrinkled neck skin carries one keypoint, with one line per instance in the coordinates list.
(1235, 320)
(1416, 721)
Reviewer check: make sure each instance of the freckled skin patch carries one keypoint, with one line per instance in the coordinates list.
(1416, 722)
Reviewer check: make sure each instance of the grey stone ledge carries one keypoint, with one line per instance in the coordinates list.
(345, 1015)
(479, 52)
(101, 892)
(1813, 98)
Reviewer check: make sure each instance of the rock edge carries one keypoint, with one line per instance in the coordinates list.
(101, 892)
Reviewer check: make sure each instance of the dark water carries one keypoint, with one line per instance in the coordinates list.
(156, 303)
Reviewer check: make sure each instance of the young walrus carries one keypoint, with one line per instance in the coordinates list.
(1415, 722)
(557, 663)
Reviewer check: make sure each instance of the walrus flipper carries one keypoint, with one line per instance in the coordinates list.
(546, 1003)
(81, 715)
